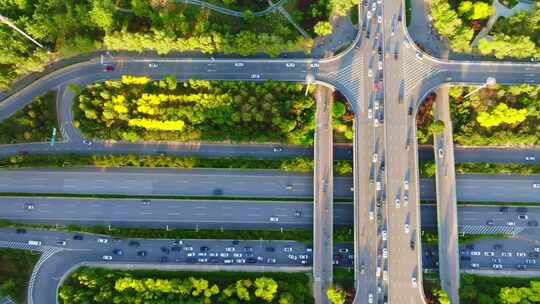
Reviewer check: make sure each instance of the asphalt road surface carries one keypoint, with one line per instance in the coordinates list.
(446, 199)
(160, 213)
(249, 183)
(323, 196)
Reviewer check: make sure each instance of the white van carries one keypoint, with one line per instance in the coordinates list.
(35, 243)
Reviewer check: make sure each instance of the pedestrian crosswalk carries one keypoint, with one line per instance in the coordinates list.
(350, 77)
(484, 229)
(415, 70)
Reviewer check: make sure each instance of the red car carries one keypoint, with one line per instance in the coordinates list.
(108, 68)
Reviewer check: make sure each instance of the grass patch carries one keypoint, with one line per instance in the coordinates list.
(34, 122)
(121, 286)
(344, 277)
(354, 15)
(408, 12)
(15, 268)
(295, 164)
(471, 238)
(430, 237)
(427, 168)
(341, 234)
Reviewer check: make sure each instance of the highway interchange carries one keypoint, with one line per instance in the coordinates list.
(404, 81)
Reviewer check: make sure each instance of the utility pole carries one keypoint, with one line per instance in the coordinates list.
(490, 81)
(10, 24)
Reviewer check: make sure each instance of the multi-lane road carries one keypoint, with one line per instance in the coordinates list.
(246, 183)
(229, 214)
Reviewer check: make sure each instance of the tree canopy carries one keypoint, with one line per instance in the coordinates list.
(138, 108)
(92, 285)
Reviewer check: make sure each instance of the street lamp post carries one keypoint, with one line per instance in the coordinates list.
(12, 25)
(490, 81)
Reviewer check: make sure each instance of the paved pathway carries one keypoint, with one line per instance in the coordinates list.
(500, 11)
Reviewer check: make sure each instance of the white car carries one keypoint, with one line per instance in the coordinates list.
(239, 64)
(419, 56)
(240, 261)
(475, 265)
(497, 266)
(383, 235)
(274, 219)
(371, 215)
(202, 260)
(385, 275)
(380, 65)
(489, 253)
(441, 153)
(376, 105)
(292, 257)
(413, 282)
(228, 261)
(379, 1)
(530, 261)
(368, 15)
(237, 255)
(370, 73)
(523, 216)
(190, 254)
(407, 229)
(536, 185)
(378, 272)
(287, 249)
(374, 7)
(506, 254)
(536, 249)
(106, 257)
(476, 253)
(230, 249)
(378, 186)
(370, 298)
(102, 240)
(375, 157)
(369, 113)
(314, 65)
(397, 202)
(530, 158)
(303, 256)
(153, 65)
(290, 64)
(375, 123)
(521, 254)
(224, 254)
(510, 223)
(255, 76)
(379, 19)
(385, 253)
(188, 248)
(405, 200)
(405, 185)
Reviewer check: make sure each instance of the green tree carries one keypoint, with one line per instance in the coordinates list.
(336, 295)
(502, 46)
(323, 28)
(475, 11)
(436, 127)
(441, 295)
(266, 288)
(102, 13)
(342, 7)
(501, 114)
